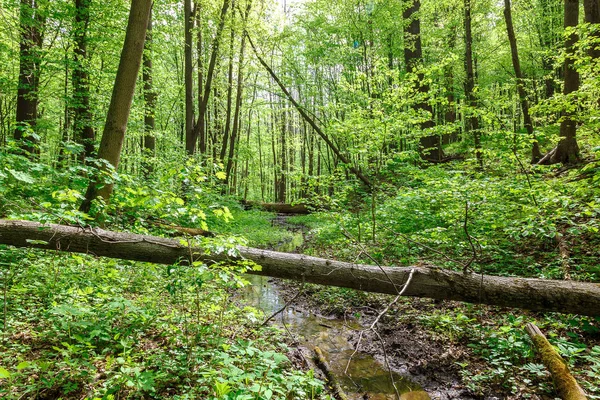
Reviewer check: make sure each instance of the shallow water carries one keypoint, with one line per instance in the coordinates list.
(365, 375)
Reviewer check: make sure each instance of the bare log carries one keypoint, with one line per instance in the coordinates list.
(431, 282)
(566, 386)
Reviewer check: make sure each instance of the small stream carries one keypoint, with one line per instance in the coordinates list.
(366, 377)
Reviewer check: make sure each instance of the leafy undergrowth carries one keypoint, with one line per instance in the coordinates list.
(79, 327)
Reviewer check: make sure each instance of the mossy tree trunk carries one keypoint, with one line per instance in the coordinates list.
(566, 386)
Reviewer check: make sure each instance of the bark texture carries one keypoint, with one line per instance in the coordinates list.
(533, 294)
(122, 96)
(566, 386)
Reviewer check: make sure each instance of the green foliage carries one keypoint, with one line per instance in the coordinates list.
(76, 326)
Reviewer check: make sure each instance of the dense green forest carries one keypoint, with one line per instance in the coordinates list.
(442, 159)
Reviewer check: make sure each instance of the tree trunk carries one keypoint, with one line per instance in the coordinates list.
(281, 189)
(82, 114)
(430, 146)
(534, 294)
(199, 127)
(190, 138)
(120, 102)
(149, 102)
(536, 154)
(31, 23)
(567, 150)
(472, 122)
(238, 100)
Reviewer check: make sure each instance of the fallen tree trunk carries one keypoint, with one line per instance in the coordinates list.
(565, 384)
(282, 208)
(431, 282)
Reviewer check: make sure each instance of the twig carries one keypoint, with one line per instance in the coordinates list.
(387, 363)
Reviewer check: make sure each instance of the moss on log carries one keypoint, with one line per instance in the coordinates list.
(334, 386)
(565, 384)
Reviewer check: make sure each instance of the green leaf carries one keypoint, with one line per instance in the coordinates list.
(221, 175)
(33, 241)
(21, 176)
(23, 365)
(4, 374)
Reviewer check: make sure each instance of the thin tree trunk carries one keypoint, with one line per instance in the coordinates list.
(121, 99)
(200, 59)
(536, 154)
(238, 99)
(62, 156)
(592, 16)
(229, 107)
(149, 101)
(534, 294)
(200, 128)
(281, 195)
(82, 114)
(260, 159)
(472, 122)
(190, 138)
